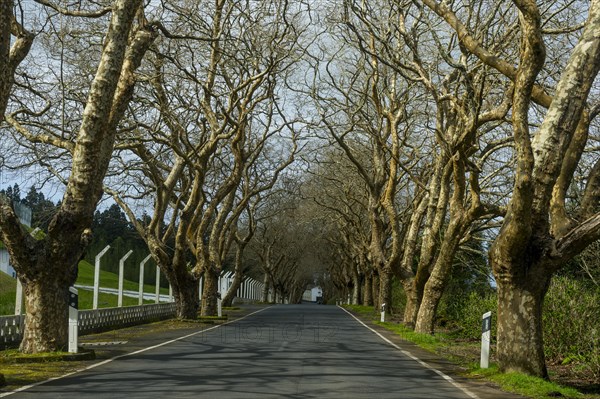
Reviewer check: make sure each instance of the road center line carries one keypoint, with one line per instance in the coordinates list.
(416, 359)
(93, 366)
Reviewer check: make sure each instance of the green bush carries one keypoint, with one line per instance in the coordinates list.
(398, 298)
(572, 323)
(464, 313)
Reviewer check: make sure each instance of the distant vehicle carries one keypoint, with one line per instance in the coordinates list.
(319, 300)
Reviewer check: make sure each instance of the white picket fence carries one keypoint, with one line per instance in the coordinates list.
(91, 321)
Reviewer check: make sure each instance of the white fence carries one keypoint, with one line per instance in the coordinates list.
(91, 321)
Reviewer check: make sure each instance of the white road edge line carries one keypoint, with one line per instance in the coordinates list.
(416, 359)
(93, 366)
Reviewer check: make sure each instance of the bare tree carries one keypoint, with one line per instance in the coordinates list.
(538, 234)
(49, 266)
(214, 88)
(11, 56)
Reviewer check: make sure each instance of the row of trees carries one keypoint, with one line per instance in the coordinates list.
(428, 129)
(176, 112)
(455, 129)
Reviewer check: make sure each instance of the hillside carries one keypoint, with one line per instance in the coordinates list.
(8, 288)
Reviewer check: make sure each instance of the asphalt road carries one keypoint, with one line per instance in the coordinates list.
(286, 351)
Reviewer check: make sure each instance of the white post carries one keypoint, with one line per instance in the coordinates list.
(141, 282)
(486, 333)
(157, 300)
(171, 293)
(121, 275)
(97, 276)
(200, 287)
(73, 318)
(19, 299)
(228, 282)
(382, 318)
(219, 293)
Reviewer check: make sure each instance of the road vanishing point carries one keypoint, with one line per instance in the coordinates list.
(284, 351)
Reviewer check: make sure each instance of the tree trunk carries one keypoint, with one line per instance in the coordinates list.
(46, 322)
(385, 290)
(265, 293)
(368, 290)
(434, 288)
(520, 339)
(375, 289)
(185, 291)
(46, 288)
(412, 304)
(209, 293)
(425, 322)
(356, 280)
(238, 279)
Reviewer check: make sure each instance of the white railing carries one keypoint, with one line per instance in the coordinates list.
(91, 321)
(11, 330)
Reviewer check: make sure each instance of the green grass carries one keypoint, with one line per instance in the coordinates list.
(367, 311)
(532, 387)
(85, 276)
(86, 300)
(433, 343)
(8, 289)
(23, 374)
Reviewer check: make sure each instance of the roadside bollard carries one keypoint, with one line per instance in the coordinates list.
(219, 305)
(73, 318)
(382, 313)
(486, 335)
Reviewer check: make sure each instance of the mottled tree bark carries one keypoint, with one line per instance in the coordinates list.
(407, 275)
(209, 293)
(357, 283)
(412, 303)
(520, 340)
(266, 289)
(185, 292)
(434, 288)
(46, 301)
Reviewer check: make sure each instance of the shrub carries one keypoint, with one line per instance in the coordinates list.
(464, 313)
(398, 298)
(572, 323)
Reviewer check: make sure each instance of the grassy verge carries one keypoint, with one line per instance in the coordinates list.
(461, 352)
(29, 373)
(532, 387)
